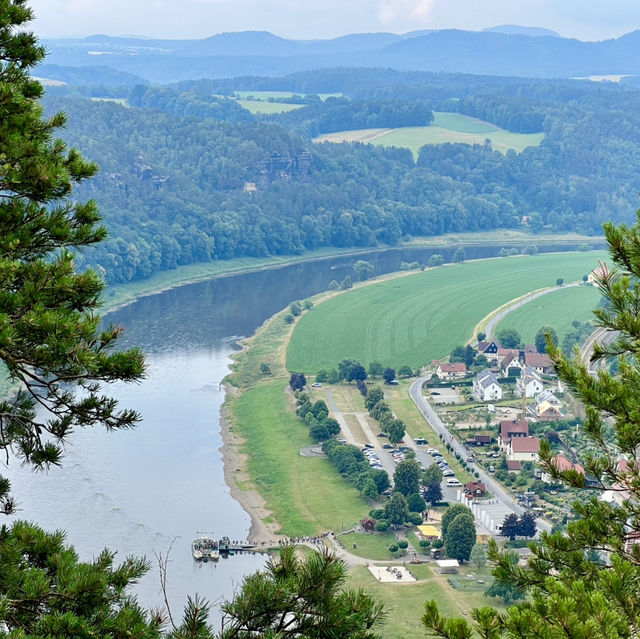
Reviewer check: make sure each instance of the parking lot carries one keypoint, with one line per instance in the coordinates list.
(445, 395)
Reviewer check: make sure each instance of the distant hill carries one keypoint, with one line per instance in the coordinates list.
(503, 50)
(516, 29)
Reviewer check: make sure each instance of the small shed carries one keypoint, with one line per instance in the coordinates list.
(447, 566)
(368, 524)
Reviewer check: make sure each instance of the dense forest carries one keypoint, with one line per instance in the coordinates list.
(189, 176)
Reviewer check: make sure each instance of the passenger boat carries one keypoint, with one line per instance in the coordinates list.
(205, 548)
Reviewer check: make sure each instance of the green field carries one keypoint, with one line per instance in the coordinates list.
(306, 494)
(446, 127)
(556, 309)
(278, 95)
(420, 317)
(260, 106)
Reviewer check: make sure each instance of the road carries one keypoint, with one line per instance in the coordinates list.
(435, 422)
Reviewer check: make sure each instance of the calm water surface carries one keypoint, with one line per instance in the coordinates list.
(139, 492)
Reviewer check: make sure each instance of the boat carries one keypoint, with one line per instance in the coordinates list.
(205, 548)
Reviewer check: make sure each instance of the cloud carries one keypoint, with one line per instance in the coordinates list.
(391, 12)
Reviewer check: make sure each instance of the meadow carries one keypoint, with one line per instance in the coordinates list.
(260, 106)
(446, 127)
(420, 317)
(305, 494)
(556, 309)
(277, 95)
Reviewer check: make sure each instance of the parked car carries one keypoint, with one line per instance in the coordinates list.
(448, 473)
(382, 435)
(387, 446)
(492, 469)
(316, 385)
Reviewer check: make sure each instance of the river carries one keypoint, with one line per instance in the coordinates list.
(142, 491)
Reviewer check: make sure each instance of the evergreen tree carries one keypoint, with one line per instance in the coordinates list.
(51, 342)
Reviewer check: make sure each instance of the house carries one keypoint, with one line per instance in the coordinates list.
(523, 449)
(486, 387)
(561, 462)
(475, 489)
(548, 396)
(510, 429)
(511, 366)
(506, 352)
(456, 370)
(596, 275)
(540, 362)
(514, 466)
(480, 440)
(529, 383)
(490, 350)
(546, 412)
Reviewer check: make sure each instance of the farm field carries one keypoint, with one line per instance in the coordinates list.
(446, 127)
(557, 309)
(260, 106)
(266, 95)
(420, 317)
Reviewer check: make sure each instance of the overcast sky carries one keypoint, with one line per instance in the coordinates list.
(307, 19)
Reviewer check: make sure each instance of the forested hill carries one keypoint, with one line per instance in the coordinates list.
(261, 53)
(180, 186)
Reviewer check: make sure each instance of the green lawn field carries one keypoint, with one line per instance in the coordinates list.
(420, 317)
(266, 95)
(260, 106)
(306, 494)
(446, 127)
(556, 309)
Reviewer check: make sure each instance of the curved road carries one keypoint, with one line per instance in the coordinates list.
(435, 422)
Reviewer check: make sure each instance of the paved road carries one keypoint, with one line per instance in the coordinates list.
(494, 321)
(436, 423)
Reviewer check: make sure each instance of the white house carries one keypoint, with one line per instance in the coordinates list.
(486, 387)
(523, 449)
(456, 370)
(529, 383)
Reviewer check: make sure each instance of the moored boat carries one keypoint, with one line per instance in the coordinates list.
(205, 548)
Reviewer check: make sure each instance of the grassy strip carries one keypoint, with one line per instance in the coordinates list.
(557, 309)
(305, 494)
(414, 319)
(404, 603)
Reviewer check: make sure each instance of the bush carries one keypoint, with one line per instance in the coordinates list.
(382, 525)
(376, 513)
(424, 543)
(415, 518)
(403, 544)
(288, 318)
(393, 548)
(438, 543)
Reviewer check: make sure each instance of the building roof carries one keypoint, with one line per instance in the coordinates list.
(530, 348)
(514, 465)
(484, 439)
(447, 563)
(538, 360)
(530, 374)
(525, 444)
(429, 531)
(455, 367)
(508, 427)
(547, 396)
(472, 486)
(486, 378)
(482, 346)
(545, 406)
(561, 462)
(503, 352)
(510, 360)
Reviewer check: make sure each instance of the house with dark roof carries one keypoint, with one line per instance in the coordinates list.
(510, 429)
(529, 383)
(511, 366)
(486, 387)
(475, 489)
(490, 350)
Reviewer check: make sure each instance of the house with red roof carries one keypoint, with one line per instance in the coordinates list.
(540, 362)
(454, 370)
(509, 429)
(561, 463)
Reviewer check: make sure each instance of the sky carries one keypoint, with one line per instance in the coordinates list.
(313, 19)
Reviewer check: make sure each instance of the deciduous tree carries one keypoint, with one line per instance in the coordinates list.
(406, 477)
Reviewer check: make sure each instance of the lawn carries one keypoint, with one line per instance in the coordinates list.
(305, 494)
(260, 106)
(278, 95)
(404, 603)
(420, 317)
(446, 127)
(375, 546)
(556, 309)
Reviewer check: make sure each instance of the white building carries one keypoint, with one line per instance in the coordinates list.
(486, 387)
(529, 383)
